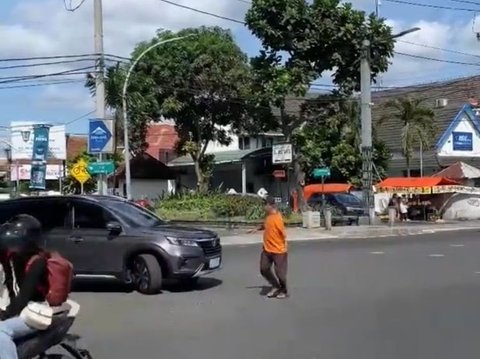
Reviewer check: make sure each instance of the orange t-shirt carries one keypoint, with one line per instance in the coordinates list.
(274, 235)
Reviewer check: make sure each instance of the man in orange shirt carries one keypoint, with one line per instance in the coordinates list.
(274, 251)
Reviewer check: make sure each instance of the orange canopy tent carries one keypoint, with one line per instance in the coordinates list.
(311, 189)
(406, 182)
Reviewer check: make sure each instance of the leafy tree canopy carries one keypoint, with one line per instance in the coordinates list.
(202, 83)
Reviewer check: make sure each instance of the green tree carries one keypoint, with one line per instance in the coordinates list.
(417, 121)
(331, 137)
(200, 82)
(302, 40)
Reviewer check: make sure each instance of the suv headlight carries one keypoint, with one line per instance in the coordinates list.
(182, 242)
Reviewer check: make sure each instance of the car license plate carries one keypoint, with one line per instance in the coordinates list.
(214, 263)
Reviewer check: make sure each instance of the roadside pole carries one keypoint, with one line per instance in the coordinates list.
(366, 130)
(99, 81)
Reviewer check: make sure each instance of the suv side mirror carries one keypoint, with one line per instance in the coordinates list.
(114, 228)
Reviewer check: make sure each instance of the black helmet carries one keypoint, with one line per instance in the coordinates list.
(21, 231)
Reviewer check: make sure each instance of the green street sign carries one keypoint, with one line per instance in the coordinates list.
(321, 172)
(101, 168)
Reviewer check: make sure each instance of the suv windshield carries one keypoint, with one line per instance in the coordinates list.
(134, 215)
(346, 198)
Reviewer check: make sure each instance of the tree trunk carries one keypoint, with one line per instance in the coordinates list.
(299, 177)
(202, 180)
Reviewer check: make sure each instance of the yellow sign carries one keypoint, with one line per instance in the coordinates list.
(79, 171)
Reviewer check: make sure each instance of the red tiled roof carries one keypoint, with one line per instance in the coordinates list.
(76, 144)
(161, 137)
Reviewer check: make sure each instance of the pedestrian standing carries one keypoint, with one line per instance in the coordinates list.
(403, 209)
(274, 252)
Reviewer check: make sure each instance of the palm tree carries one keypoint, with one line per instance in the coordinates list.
(417, 121)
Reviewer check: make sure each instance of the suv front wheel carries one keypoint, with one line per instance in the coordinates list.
(146, 274)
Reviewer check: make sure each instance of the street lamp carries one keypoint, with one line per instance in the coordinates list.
(128, 180)
(366, 124)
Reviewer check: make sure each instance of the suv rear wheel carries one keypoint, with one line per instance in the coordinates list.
(146, 274)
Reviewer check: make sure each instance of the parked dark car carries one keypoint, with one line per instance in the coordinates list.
(344, 205)
(109, 237)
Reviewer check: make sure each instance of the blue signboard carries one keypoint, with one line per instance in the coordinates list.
(99, 136)
(462, 141)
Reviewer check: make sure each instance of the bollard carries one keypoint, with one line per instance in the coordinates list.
(327, 213)
(392, 214)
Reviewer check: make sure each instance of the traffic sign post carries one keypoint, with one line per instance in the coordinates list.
(100, 141)
(101, 168)
(322, 173)
(80, 173)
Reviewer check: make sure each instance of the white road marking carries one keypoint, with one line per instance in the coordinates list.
(377, 252)
(436, 255)
(477, 272)
(457, 245)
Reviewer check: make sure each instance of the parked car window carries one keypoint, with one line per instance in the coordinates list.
(51, 214)
(89, 215)
(134, 215)
(347, 199)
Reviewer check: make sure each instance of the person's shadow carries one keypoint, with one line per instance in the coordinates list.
(264, 289)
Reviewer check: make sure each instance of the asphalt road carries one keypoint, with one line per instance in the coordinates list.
(410, 297)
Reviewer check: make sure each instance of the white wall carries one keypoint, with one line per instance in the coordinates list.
(463, 126)
(148, 188)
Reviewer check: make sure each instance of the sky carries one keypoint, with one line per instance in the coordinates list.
(33, 28)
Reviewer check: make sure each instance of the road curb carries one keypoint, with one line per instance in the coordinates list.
(406, 232)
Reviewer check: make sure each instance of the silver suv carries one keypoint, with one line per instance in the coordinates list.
(109, 237)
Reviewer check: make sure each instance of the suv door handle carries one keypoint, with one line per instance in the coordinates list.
(76, 239)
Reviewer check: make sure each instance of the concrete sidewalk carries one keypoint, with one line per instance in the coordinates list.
(240, 236)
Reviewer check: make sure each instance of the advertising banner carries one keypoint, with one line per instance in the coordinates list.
(53, 172)
(38, 176)
(22, 134)
(39, 157)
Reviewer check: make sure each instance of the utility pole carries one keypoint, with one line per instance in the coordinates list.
(366, 130)
(377, 8)
(99, 80)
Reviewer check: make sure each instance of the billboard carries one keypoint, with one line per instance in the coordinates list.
(54, 172)
(22, 141)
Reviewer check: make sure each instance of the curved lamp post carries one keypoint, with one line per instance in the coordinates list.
(128, 180)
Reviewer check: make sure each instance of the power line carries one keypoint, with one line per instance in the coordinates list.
(439, 48)
(62, 82)
(437, 60)
(203, 12)
(67, 72)
(431, 5)
(54, 57)
(45, 64)
(467, 2)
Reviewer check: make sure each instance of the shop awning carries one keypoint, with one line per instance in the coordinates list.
(408, 182)
(309, 190)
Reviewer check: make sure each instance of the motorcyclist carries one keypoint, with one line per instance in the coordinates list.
(20, 240)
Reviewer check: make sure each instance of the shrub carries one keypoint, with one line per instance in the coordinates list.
(219, 204)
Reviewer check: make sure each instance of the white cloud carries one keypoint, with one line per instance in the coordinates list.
(43, 28)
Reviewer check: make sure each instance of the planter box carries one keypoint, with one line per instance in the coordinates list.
(311, 219)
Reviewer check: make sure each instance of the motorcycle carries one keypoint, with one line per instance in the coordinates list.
(42, 344)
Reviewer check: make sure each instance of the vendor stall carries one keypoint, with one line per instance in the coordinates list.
(424, 196)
